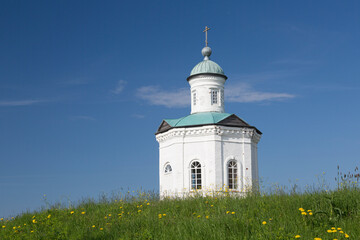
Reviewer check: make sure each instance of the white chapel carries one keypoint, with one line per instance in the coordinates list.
(209, 150)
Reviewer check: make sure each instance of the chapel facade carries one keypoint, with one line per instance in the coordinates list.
(209, 150)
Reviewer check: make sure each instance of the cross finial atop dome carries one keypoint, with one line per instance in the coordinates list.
(205, 31)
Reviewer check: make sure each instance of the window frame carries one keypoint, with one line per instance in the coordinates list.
(196, 175)
(232, 176)
(214, 96)
(166, 170)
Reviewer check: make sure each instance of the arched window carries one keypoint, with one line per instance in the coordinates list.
(168, 168)
(195, 175)
(232, 174)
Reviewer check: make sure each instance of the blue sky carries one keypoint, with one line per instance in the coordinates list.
(85, 84)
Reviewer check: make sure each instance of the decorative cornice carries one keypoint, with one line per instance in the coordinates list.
(241, 132)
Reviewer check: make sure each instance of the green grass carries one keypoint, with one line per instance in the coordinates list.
(207, 218)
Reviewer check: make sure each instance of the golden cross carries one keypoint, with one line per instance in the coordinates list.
(205, 31)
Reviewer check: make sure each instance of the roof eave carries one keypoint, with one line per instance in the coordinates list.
(211, 74)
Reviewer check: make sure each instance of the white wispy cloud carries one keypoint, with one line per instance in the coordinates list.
(119, 87)
(156, 96)
(244, 93)
(14, 103)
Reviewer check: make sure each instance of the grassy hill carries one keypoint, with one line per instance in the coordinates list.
(317, 215)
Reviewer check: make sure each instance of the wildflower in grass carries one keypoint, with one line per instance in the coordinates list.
(297, 236)
(339, 229)
(329, 231)
(211, 205)
(1, 219)
(198, 216)
(160, 216)
(33, 216)
(72, 212)
(93, 226)
(207, 217)
(32, 231)
(34, 221)
(109, 214)
(24, 224)
(164, 214)
(139, 211)
(264, 222)
(14, 228)
(317, 239)
(3, 226)
(101, 229)
(301, 210)
(346, 235)
(303, 213)
(82, 213)
(233, 213)
(49, 216)
(148, 204)
(227, 212)
(309, 210)
(310, 213)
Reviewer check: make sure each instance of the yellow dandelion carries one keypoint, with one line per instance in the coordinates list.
(93, 226)
(32, 231)
(303, 213)
(310, 213)
(164, 214)
(207, 217)
(317, 239)
(264, 222)
(49, 216)
(34, 221)
(83, 213)
(211, 205)
(329, 231)
(72, 212)
(14, 228)
(227, 212)
(233, 213)
(309, 210)
(339, 229)
(24, 224)
(148, 204)
(198, 216)
(139, 211)
(160, 216)
(1, 219)
(346, 235)
(101, 229)
(333, 228)
(33, 216)
(120, 207)
(301, 209)
(297, 236)
(3, 226)
(105, 217)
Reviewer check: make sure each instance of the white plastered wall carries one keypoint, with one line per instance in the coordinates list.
(213, 146)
